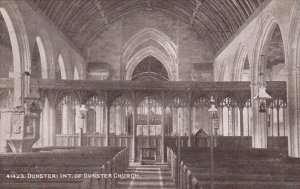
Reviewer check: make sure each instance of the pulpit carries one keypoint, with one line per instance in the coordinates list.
(20, 126)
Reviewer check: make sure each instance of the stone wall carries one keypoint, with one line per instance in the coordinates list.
(55, 42)
(252, 38)
(6, 61)
(192, 47)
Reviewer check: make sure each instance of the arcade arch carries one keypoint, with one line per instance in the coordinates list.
(62, 68)
(20, 48)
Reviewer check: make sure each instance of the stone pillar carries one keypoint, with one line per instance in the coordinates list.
(40, 141)
(175, 120)
(78, 121)
(101, 116)
(294, 112)
(195, 120)
(84, 123)
(134, 119)
(233, 121)
(180, 121)
(4, 121)
(98, 119)
(112, 119)
(241, 110)
(52, 124)
(189, 125)
(163, 134)
(259, 129)
(123, 120)
(221, 129)
(71, 119)
(118, 127)
(46, 124)
(148, 126)
(107, 117)
(19, 89)
(65, 119)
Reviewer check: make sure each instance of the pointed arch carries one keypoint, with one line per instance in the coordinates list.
(240, 60)
(62, 67)
(144, 53)
(221, 70)
(20, 48)
(168, 58)
(263, 37)
(46, 45)
(43, 59)
(227, 75)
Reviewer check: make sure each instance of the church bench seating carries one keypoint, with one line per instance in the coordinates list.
(235, 168)
(65, 161)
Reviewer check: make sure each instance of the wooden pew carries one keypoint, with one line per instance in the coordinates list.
(235, 168)
(75, 161)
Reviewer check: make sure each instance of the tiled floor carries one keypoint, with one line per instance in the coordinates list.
(148, 176)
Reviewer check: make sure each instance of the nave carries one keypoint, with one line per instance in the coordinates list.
(149, 176)
(205, 89)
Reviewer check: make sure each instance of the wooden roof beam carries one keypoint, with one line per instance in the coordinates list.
(195, 11)
(100, 8)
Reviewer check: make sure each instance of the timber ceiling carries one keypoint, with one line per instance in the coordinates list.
(219, 19)
(4, 36)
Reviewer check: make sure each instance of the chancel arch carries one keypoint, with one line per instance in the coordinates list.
(141, 45)
(106, 85)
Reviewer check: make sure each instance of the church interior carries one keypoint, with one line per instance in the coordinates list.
(187, 94)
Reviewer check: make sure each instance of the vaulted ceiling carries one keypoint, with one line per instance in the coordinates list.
(219, 19)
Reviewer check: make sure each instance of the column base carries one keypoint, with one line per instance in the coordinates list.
(20, 146)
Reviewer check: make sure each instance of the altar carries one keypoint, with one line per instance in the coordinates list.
(148, 155)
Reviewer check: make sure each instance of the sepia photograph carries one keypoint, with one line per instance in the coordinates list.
(149, 94)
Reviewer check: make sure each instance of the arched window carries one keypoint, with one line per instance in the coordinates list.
(150, 69)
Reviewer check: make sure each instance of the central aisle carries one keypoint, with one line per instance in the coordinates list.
(149, 176)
